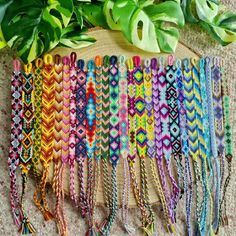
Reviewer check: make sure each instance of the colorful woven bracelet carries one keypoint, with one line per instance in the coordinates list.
(205, 119)
(165, 131)
(192, 129)
(90, 137)
(15, 140)
(80, 149)
(171, 95)
(27, 139)
(57, 149)
(47, 135)
(151, 98)
(38, 114)
(141, 137)
(213, 141)
(202, 144)
(188, 184)
(228, 150)
(124, 139)
(132, 141)
(105, 130)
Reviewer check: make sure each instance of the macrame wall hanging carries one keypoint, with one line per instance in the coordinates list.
(165, 118)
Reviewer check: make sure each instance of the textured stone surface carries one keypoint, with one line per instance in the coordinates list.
(191, 36)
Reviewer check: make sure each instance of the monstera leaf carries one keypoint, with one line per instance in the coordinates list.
(34, 26)
(71, 39)
(3, 6)
(222, 28)
(151, 27)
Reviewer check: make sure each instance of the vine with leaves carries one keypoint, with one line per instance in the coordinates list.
(37, 26)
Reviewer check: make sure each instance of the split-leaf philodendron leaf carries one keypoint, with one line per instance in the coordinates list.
(152, 27)
(35, 26)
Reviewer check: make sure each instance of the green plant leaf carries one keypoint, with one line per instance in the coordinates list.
(93, 13)
(187, 9)
(222, 28)
(3, 6)
(148, 27)
(3, 42)
(108, 12)
(34, 27)
(206, 9)
(73, 37)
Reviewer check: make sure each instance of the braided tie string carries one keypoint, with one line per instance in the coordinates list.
(206, 137)
(213, 139)
(228, 150)
(38, 116)
(15, 140)
(73, 121)
(192, 130)
(152, 107)
(132, 141)
(124, 140)
(80, 149)
(201, 132)
(90, 138)
(141, 137)
(27, 140)
(219, 122)
(165, 132)
(171, 94)
(188, 184)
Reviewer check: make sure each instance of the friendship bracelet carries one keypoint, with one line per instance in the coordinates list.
(192, 129)
(47, 127)
(38, 114)
(80, 148)
(213, 141)
(202, 144)
(105, 130)
(165, 131)
(188, 184)
(152, 105)
(171, 94)
(58, 67)
(64, 136)
(73, 121)
(132, 140)
(90, 137)
(141, 137)
(114, 139)
(15, 140)
(205, 119)
(98, 80)
(27, 139)
(124, 139)
(228, 151)
(218, 114)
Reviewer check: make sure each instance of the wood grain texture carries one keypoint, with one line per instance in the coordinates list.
(113, 43)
